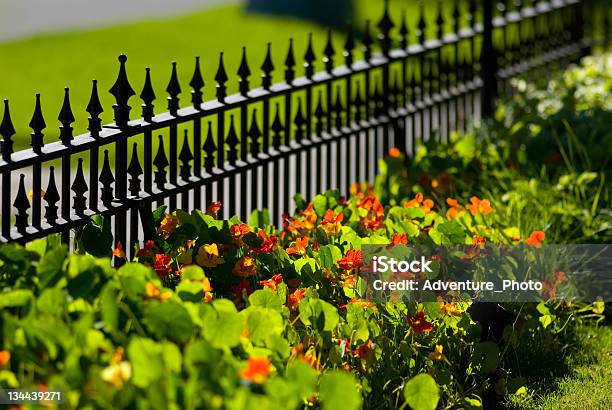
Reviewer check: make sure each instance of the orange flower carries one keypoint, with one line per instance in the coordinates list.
(331, 222)
(295, 298)
(415, 202)
(257, 370)
(363, 303)
(146, 251)
(5, 357)
(479, 206)
(375, 212)
(394, 153)
(300, 247)
(118, 251)
(245, 267)
(352, 260)
(419, 324)
(213, 208)
(268, 243)
(437, 353)
(536, 238)
(168, 225)
(153, 292)
(398, 239)
(273, 282)
(237, 231)
(454, 209)
(161, 264)
(449, 308)
(348, 280)
(364, 351)
(479, 240)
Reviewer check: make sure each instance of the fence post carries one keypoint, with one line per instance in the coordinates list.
(488, 63)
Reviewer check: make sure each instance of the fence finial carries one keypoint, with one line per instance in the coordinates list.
(299, 121)
(422, 24)
(186, 157)
(329, 53)
(403, 31)
(277, 128)
(37, 123)
(267, 67)
(244, 72)
(309, 58)
(196, 84)
(338, 108)
(320, 114)
(79, 187)
(221, 78)
(385, 25)
(94, 108)
(254, 134)
(173, 89)
(51, 197)
(66, 118)
(22, 204)
(367, 42)
(290, 64)
(456, 17)
(134, 170)
(349, 46)
(122, 91)
(440, 21)
(7, 130)
(148, 96)
(106, 178)
(232, 142)
(210, 148)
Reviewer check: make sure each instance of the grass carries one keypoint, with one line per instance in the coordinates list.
(581, 380)
(46, 64)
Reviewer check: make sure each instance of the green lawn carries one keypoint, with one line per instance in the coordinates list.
(48, 63)
(582, 380)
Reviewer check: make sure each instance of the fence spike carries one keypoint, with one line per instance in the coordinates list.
(456, 17)
(51, 197)
(135, 171)
(244, 72)
(221, 78)
(148, 96)
(160, 162)
(395, 90)
(290, 64)
(329, 53)
(385, 25)
(422, 24)
(210, 148)
(299, 121)
(106, 178)
(277, 128)
(94, 108)
(37, 123)
(338, 108)
(309, 58)
(358, 102)
(440, 21)
(7, 130)
(403, 31)
(173, 89)
(254, 134)
(349, 46)
(186, 157)
(122, 91)
(377, 99)
(471, 13)
(267, 67)
(320, 114)
(79, 187)
(196, 84)
(367, 42)
(66, 118)
(22, 204)
(232, 142)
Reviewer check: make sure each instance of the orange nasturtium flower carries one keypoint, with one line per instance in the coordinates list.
(352, 260)
(454, 209)
(331, 222)
(398, 239)
(118, 251)
(213, 208)
(152, 291)
(268, 243)
(415, 202)
(273, 282)
(419, 324)
(161, 264)
(299, 248)
(477, 205)
(208, 256)
(168, 225)
(437, 353)
(117, 373)
(295, 298)
(257, 370)
(237, 231)
(449, 308)
(394, 152)
(536, 238)
(5, 357)
(245, 267)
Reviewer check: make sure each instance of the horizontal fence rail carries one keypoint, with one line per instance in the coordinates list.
(308, 132)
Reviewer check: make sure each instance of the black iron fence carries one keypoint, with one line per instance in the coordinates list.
(307, 132)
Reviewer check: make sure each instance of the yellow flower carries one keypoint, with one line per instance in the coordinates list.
(153, 292)
(117, 374)
(208, 256)
(437, 353)
(168, 225)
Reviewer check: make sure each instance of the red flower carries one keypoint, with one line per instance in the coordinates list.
(268, 244)
(352, 260)
(273, 282)
(364, 351)
(257, 370)
(119, 252)
(399, 239)
(419, 324)
(245, 267)
(213, 208)
(237, 231)
(299, 248)
(239, 289)
(295, 298)
(331, 222)
(146, 251)
(161, 264)
(536, 238)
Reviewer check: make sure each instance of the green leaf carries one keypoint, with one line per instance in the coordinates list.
(422, 392)
(97, 236)
(338, 390)
(319, 314)
(145, 355)
(223, 325)
(50, 267)
(262, 323)
(329, 254)
(260, 219)
(170, 320)
(15, 298)
(266, 298)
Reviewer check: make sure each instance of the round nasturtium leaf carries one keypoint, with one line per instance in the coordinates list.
(422, 393)
(338, 390)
